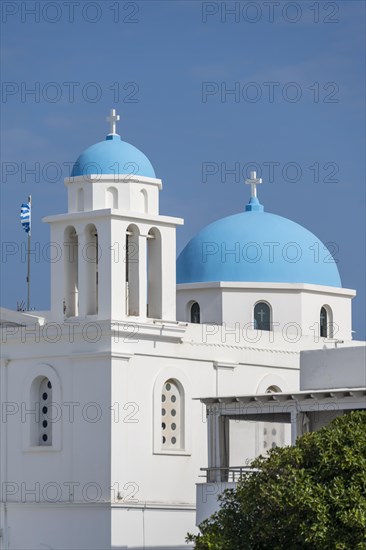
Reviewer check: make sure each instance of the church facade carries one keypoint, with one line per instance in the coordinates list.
(102, 433)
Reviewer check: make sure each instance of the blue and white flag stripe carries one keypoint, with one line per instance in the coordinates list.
(25, 216)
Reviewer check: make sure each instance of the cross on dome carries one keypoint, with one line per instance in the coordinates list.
(253, 181)
(112, 119)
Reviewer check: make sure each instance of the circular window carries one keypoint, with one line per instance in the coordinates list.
(174, 398)
(44, 410)
(163, 398)
(164, 440)
(264, 444)
(174, 426)
(44, 437)
(49, 385)
(168, 386)
(274, 445)
(45, 423)
(174, 412)
(265, 431)
(163, 425)
(163, 412)
(44, 396)
(274, 432)
(173, 440)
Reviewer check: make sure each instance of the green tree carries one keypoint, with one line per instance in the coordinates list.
(309, 496)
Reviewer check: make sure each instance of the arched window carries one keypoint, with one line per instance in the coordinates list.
(262, 316)
(195, 313)
(323, 323)
(44, 431)
(172, 414)
(80, 200)
(45, 401)
(41, 394)
(326, 325)
(272, 434)
(142, 201)
(112, 197)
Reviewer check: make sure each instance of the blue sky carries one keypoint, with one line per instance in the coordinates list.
(297, 74)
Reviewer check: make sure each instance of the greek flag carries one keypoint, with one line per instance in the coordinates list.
(25, 216)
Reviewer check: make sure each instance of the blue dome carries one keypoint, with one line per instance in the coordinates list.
(113, 156)
(256, 246)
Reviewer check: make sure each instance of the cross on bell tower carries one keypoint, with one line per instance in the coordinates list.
(113, 118)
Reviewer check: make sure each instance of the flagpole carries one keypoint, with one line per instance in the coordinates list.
(28, 255)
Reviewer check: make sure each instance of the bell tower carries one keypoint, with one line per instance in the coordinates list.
(117, 252)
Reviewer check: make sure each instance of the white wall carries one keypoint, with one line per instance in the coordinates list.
(128, 193)
(343, 367)
(295, 307)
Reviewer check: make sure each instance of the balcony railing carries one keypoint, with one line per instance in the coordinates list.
(228, 474)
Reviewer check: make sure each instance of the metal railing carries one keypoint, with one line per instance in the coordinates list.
(227, 474)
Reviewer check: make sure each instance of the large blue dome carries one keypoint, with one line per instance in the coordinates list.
(256, 246)
(113, 156)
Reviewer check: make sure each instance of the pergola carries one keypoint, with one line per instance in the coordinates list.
(305, 410)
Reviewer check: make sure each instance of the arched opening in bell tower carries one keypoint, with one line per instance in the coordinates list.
(71, 301)
(142, 203)
(91, 257)
(132, 270)
(154, 274)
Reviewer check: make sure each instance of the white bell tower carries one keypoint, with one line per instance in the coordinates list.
(117, 253)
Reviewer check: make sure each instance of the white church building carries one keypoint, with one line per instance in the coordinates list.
(102, 435)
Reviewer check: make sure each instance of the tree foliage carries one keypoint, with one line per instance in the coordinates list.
(309, 496)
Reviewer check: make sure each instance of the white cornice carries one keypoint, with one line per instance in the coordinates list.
(113, 213)
(145, 505)
(116, 178)
(280, 287)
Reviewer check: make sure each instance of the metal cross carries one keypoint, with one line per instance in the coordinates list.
(253, 181)
(113, 118)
